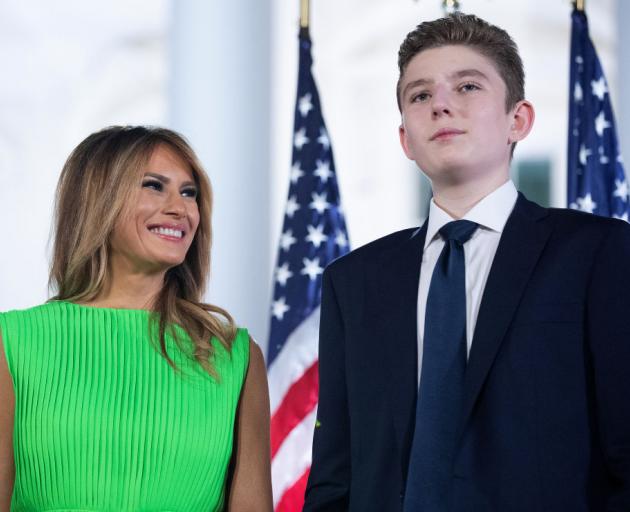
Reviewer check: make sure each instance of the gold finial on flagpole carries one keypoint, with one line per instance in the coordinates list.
(450, 6)
(579, 5)
(304, 14)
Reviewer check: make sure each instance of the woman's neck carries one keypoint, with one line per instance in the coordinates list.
(129, 290)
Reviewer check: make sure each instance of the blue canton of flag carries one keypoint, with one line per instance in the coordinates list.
(313, 235)
(596, 179)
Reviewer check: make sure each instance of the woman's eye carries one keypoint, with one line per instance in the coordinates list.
(189, 192)
(153, 184)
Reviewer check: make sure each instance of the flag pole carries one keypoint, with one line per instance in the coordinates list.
(579, 5)
(304, 14)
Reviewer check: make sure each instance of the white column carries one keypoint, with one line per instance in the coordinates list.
(219, 99)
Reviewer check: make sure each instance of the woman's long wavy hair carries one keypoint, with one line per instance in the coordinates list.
(96, 187)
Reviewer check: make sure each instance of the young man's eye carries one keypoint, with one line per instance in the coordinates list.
(469, 87)
(189, 192)
(153, 184)
(420, 97)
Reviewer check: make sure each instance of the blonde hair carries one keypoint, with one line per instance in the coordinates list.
(97, 183)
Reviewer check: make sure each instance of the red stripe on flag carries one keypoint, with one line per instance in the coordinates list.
(293, 499)
(299, 400)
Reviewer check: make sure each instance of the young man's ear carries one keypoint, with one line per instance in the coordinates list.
(402, 133)
(522, 121)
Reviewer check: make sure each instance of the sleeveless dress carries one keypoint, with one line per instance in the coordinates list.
(103, 423)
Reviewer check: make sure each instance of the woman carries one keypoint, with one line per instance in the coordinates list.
(125, 391)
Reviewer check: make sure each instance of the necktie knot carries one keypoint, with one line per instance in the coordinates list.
(458, 230)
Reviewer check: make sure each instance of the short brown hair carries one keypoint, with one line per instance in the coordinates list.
(468, 30)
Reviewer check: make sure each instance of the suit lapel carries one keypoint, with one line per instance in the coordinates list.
(522, 242)
(397, 276)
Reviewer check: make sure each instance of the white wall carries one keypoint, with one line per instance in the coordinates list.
(68, 69)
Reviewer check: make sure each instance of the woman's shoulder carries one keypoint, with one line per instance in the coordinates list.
(12, 316)
(45, 308)
(19, 328)
(233, 359)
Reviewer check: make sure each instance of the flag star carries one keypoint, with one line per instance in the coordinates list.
(292, 206)
(283, 274)
(619, 158)
(305, 105)
(584, 154)
(623, 216)
(279, 308)
(323, 138)
(601, 123)
(603, 159)
(311, 268)
(296, 172)
(287, 240)
(621, 190)
(579, 59)
(599, 88)
(323, 171)
(300, 138)
(586, 204)
(316, 235)
(319, 202)
(577, 92)
(341, 240)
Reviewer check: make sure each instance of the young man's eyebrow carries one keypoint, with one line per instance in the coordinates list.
(416, 83)
(469, 72)
(463, 73)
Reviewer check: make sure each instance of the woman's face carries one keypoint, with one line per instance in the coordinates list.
(157, 229)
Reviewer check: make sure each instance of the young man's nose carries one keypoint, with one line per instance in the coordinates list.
(440, 103)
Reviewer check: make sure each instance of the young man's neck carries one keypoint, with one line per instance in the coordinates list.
(458, 199)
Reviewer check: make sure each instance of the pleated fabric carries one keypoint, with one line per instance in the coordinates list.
(103, 423)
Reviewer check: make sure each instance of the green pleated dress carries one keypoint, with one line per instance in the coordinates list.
(103, 423)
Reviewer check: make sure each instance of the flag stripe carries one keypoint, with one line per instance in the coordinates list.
(297, 403)
(298, 354)
(293, 499)
(293, 457)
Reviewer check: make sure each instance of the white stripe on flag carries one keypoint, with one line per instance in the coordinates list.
(297, 355)
(293, 457)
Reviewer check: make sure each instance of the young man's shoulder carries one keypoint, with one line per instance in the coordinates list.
(373, 251)
(586, 224)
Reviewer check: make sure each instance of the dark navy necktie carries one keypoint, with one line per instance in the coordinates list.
(441, 391)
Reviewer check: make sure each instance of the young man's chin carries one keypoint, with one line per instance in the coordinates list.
(447, 173)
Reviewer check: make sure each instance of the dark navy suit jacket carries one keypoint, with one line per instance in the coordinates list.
(546, 423)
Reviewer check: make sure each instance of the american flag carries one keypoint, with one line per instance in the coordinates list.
(313, 234)
(596, 179)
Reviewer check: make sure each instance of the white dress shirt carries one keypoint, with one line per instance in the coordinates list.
(491, 213)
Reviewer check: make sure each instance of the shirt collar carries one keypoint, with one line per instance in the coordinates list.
(491, 212)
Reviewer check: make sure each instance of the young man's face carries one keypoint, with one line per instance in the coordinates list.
(454, 123)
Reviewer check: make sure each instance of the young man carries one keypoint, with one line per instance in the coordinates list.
(480, 362)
